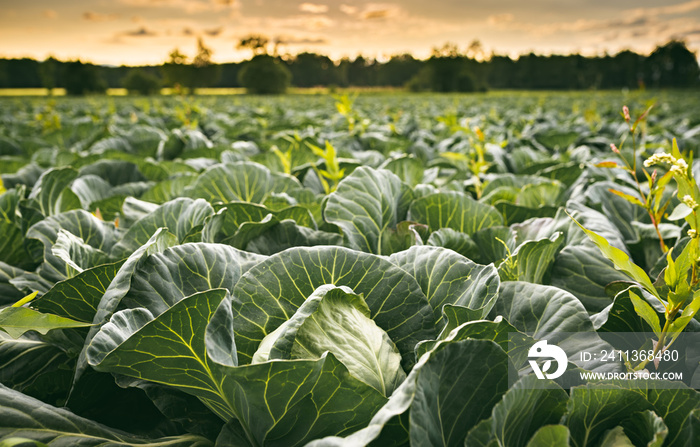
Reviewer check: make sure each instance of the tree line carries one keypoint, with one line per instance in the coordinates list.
(448, 69)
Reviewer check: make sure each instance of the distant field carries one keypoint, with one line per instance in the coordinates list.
(201, 91)
(276, 270)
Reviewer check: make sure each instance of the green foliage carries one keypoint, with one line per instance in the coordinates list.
(81, 79)
(264, 75)
(142, 83)
(344, 271)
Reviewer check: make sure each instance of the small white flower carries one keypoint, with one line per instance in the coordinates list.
(692, 233)
(689, 202)
(660, 157)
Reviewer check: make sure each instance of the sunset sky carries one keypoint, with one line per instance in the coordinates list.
(136, 32)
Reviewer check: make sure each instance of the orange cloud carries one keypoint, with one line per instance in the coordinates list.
(97, 17)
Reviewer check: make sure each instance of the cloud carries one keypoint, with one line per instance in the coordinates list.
(49, 13)
(379, 11)
(498, 19)
(285, 40)
(313, 8)
(680, 8)
(140, 32)
(91, 16)
(213, 32)
(349, 10)
(188, 6)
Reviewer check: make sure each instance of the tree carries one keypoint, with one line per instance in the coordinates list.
(206, 72)
(81, 79)
(142, 83)
(264, 74)
(311, 69)
(672, 65)
(47, 73)
(176, 71)
(257, 43)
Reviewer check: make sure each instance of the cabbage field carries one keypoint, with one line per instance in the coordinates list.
(374, 270)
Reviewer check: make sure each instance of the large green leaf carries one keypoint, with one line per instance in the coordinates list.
(594, 410)
(8, 292)
(271, 292)
(621, 212)
(180, 216)
(494, 244)
(90, 189)
(76, 254)
(453, 210)
(335, 319)
(449, 278)
(119, 287)
(176, 347)
(448, 392)
(277, 403)
(25, 417)
(35, 367)
(546, 312)
(366, 206)
(645, 428)
(12, 249)
(540, 228)
(532, 260)
(288, 234)
(238, 182)
(525, 408)
(52, 193)
(79, 296)
(455, 241)
(164, 278)
(92, 231)
(678, 406)
(584, 272)
(551, 436)
(621, 260)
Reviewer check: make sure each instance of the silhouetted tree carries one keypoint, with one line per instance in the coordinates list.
(206, 73)
(672, 65)
(264, 74)
(47, 72)
(310, 69)
(140, 82)
(81, 79)
(177, 72)
(257, 43)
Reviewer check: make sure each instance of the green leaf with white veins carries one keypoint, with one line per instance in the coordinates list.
(551, 436)
(449, 278)
(366, 205)
(525, 408)
(454, 210)
(335, 319)
(271, 292)
(92, 231)
(277, 403)
(532, 259)
(592, 411)
(179, 216)
(52, 193)
(162, 279)
(448, 392)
